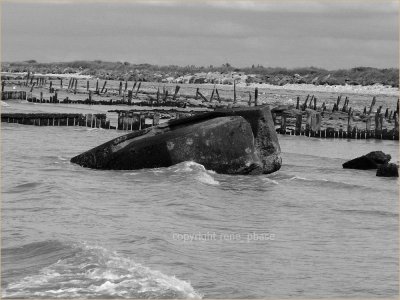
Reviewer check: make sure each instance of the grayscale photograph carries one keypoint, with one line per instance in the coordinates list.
(211, 149)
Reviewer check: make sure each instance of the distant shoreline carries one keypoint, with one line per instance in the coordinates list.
(375, 89)
(225, 74)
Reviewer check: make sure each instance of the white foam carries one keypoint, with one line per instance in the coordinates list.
(93, 271)
(207, 179)
(189, 166)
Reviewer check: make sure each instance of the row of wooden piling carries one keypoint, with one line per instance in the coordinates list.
(51, 119)
(19, 95)
(331, 132)
(127, 120)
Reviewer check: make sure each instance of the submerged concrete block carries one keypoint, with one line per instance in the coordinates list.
(236, 141)
(223, 144)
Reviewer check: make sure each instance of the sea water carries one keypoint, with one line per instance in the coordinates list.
(312, 229)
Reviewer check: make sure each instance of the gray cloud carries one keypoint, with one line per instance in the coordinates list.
(289, 34)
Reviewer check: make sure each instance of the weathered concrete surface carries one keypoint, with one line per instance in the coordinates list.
(266, 139)
(236, 141)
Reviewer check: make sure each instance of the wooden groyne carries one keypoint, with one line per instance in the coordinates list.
(19, 95)
(331, 132)
(129, 120)
(291, 122)
(308, 117)
(57, 119)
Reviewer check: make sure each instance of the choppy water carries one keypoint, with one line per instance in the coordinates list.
(312, 229)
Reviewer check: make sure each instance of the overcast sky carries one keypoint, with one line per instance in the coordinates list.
(326, 34)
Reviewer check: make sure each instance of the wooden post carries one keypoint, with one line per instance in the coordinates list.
(349, 121)
(41, 97)
(176, 92)
(134, 85)
(311, 101)
(212, 93)
(130, 97)
(137, 91)
(165, 96)
(338, 102)
(318, 122)
(156, 119)
(120, 88)
(256, 100)
(372, 105)
(234, 91)
(378, 124)
(219, 99)
(249, 99)
(104, 86)
(344, 108)
(305, 103)
(126, 85)
(387, 113)
(315, 103)
(299, 120)
(202, 96)
(313, 122)
(87, 85)
(97, 86)
(298, 102)
(283, 123)
(396, 124)
(368, 124)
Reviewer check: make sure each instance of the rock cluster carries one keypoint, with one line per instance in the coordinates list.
(374, 160)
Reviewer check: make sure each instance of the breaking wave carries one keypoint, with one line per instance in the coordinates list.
(201, 174)
(79, 270)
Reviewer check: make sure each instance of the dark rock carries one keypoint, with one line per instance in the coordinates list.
(360, 163)
(388, 170)
(235, 141)
(369, 161)
(379, 157)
